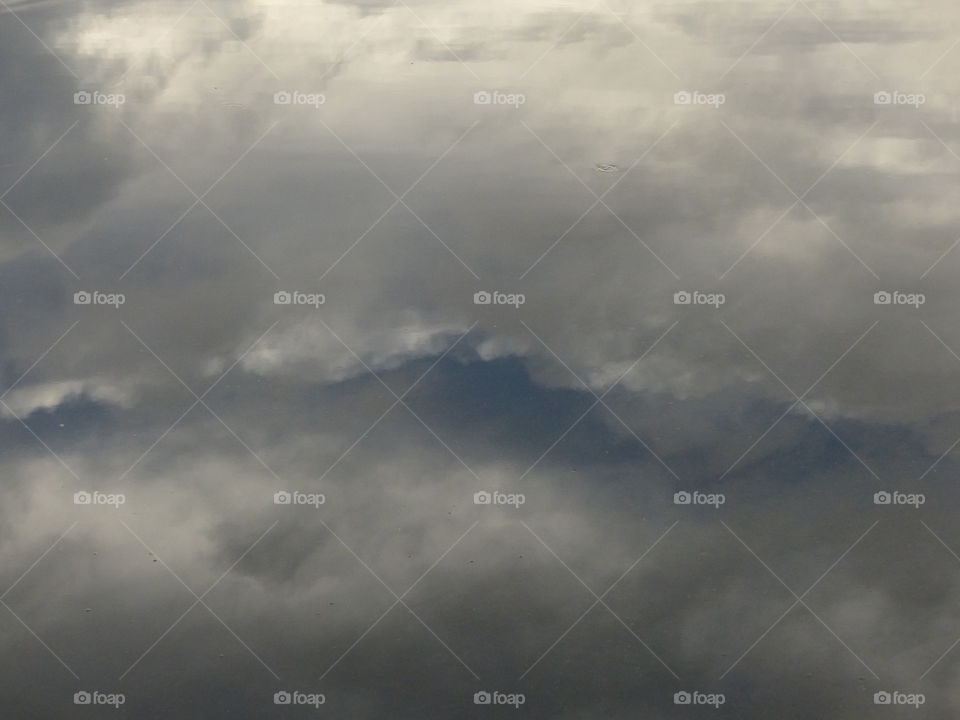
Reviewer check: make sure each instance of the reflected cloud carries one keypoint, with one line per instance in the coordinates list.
(421, 166)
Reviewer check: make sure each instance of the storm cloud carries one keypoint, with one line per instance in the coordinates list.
(392, 353)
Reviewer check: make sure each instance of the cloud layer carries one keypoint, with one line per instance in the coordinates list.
(779, 167)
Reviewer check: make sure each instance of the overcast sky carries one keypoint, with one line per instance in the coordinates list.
(718, 240)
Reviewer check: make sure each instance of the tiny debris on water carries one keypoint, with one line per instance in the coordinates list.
(606, 168)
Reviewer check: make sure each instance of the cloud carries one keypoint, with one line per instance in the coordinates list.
(398, 199)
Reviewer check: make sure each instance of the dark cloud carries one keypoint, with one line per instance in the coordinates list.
(398, 398)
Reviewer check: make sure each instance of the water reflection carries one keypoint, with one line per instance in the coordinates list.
(420, 167)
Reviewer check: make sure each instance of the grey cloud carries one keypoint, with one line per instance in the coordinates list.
(497, 412)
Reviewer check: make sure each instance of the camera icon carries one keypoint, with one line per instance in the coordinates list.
(682, 298)
(82, 97)
(282, 298)
(882, 98)
(282, 498)
(482, 98)
(482, 498)
(482, 298)
(882, 298)
(882, 498)
(482, 698)
(682, 498)
(882, 698)
(82, 498)
(682, 98)
(682, 698)
(282, 698)
(282, 98)
(82, 298)
(82, 698)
